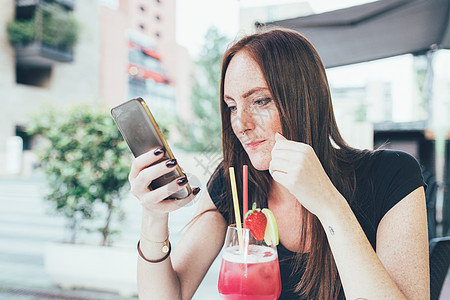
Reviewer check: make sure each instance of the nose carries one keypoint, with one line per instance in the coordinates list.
(244, 121)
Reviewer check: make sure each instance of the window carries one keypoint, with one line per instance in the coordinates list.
(136, 86)
(158, 18)
(26, 138)
(142, 26)
(142, 8)
(33, 75)
(157, 35)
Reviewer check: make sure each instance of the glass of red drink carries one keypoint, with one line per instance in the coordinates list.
(249, 269)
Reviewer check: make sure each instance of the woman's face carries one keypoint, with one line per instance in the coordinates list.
(254, 116)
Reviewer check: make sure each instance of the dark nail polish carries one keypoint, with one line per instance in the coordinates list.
(158, 151)
(182, 181)
(195, 191)
(171, 163)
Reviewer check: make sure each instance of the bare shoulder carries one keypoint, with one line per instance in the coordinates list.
(402, 244)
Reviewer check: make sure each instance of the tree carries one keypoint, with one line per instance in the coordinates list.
(203, 133)
(86, 163)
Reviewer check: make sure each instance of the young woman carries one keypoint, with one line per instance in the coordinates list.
(352, 223)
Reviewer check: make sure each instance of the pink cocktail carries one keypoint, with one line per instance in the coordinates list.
(248, 271)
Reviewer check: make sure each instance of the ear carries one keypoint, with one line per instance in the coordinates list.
(279, 137)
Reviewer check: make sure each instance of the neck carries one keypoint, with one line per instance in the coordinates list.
(280, 195)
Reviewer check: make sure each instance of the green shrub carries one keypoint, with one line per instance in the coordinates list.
(21, 32)
(51, 24)
(86, 163)
(59, 28)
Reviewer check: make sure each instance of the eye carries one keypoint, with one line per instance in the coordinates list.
(231, 108)
(262, 102)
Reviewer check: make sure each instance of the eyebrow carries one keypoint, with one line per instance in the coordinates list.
(248, 93)
(252, 91)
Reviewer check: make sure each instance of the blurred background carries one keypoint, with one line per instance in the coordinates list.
(65, 63)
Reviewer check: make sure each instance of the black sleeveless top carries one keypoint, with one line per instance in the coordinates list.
(388, 177)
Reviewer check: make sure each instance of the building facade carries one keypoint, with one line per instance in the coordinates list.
(125, 49)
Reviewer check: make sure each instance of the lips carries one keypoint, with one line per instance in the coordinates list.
(254, 144)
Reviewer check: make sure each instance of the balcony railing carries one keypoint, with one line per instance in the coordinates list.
(39, 54)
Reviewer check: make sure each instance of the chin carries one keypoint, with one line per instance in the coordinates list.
(260, 164)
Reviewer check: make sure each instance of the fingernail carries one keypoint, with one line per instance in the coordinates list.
(171, 163)
(195, 191)
(182, 181)
(158, 151)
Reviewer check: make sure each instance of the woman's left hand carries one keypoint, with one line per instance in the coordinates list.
(296, 166)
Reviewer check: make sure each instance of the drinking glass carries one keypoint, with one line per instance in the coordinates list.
(249, 269)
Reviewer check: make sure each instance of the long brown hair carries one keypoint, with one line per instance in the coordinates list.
(296, 78)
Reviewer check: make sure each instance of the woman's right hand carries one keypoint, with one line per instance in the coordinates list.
(142, 173)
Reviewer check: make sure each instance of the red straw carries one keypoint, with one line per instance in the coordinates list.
(245, 190)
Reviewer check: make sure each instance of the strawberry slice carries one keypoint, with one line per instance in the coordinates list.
(256, 221)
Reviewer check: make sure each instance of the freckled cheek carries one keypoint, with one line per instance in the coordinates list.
(233, 124)
(271, 125)
(276, 124)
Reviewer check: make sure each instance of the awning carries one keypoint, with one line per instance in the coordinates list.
(143, 73)
(150, 52)
(375, 30)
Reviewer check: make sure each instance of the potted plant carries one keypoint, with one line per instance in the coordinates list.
(51, 29)
(21, 32)
(86, 163)
(59, 27)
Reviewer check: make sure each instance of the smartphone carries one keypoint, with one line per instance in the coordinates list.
(141, 132)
